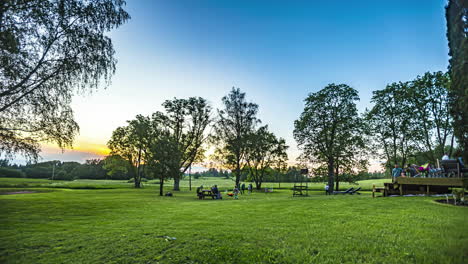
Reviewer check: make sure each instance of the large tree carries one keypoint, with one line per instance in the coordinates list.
(264, 151)
(428, 98)
(187, 121)
(329, 123)
(392, 124)
(456, 14)
(49, 51)
(235, 122)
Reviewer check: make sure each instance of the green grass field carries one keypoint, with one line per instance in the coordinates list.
(125, 225)
(207, 182)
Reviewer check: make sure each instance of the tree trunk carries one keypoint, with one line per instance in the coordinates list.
(177, 183)
(451, 146)
(331, 174)
(337, 179)
(258, 185)
(161, 186)
(238, 171)
(137, 176)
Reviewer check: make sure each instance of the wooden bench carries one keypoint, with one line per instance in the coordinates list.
(300, 190)
(378, 190)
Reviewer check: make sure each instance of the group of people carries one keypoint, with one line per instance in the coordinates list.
(235, 192)
(240, 189)
(426, 170)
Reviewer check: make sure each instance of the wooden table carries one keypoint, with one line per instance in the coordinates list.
(205, 193)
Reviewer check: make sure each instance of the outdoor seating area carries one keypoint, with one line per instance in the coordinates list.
(452, 168)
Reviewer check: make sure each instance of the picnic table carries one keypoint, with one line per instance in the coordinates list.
(204, 193)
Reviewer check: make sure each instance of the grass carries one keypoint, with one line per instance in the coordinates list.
(125, 225)
(207, 182)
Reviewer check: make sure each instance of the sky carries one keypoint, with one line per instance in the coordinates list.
(277, 52)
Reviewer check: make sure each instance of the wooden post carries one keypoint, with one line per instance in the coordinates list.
(401, 189)
(427, 190)
(373, 190)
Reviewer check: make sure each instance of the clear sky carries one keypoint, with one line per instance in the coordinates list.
(276, 51)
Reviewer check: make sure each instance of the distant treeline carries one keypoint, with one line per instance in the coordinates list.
(100, 169)
(57, 170)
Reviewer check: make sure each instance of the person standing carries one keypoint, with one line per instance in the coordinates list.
(249, 188)
(326, 189)
(242, 188)
(396, 172)
(236, 193)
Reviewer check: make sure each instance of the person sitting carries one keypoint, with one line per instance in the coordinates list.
(412, 171)
(445, 157)
(199, 192)
(434, 172)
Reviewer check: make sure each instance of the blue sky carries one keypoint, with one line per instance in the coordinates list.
(276, 51)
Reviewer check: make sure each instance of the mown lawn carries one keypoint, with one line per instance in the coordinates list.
(207, 182)
(128, 226)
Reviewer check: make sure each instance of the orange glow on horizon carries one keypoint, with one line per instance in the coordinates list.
(80, 146)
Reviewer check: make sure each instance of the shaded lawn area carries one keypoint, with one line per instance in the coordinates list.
(128, 226)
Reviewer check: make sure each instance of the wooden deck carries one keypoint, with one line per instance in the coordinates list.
(426, 186)
(450, 182)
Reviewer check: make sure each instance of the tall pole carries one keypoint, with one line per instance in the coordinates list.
(190, 177)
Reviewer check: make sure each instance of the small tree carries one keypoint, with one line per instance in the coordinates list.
(264, 151)
(162, 156)
(130, 142)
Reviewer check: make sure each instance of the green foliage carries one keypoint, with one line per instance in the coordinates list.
(129, 143)
(235, 122)
(329, 130)
(391, 122)
(117, 167)
(11, 173)
(92, 169)
(428, 95)
(186, 120)
(410, 121)
(213, 172)
(456, 14)
(49, 51)
(264, 151)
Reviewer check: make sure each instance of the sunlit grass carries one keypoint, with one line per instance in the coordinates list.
(126, 225)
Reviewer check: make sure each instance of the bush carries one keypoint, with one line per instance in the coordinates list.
(11, 173)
